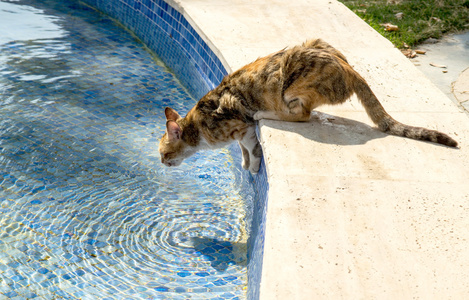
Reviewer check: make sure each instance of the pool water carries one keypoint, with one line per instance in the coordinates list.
(86, 208)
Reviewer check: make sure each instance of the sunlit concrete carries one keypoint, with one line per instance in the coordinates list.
(353, 213)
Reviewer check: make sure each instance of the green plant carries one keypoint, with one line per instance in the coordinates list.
(417, 20)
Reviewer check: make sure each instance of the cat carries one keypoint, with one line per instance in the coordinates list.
(286, 85)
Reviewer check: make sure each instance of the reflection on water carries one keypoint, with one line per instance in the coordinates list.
(86, 208)
(25, 22)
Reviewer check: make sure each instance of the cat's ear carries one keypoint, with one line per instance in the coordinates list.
(171, 114)
(173, 130)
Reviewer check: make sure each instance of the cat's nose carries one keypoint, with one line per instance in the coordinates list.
(166, 163)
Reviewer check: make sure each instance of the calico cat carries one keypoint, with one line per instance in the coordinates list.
(286, 85)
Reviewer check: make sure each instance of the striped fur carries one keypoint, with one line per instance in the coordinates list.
(286, 85)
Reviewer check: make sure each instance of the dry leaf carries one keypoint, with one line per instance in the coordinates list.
(399, 15)
(437, 65)
(390, 27)
(420, 51)
(409, 53)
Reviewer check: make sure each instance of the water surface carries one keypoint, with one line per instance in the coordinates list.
(86, 208)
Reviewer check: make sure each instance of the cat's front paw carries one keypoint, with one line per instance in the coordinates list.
(254, 166)
(245, 159)
(259, 115)
(245, 164)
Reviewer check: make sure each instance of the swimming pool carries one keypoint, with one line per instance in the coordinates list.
(86, 208)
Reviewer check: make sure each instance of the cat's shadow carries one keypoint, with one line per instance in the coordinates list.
(221, 254)
(330, 129)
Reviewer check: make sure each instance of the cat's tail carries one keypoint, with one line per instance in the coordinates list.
(387, 124)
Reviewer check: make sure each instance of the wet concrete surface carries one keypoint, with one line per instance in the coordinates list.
(452, 52)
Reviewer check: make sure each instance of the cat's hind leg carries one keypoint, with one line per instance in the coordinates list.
(251, 145)
(295, 110)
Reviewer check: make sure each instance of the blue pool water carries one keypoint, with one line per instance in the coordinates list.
(86, 208)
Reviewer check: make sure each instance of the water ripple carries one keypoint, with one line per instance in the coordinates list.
(86, 208)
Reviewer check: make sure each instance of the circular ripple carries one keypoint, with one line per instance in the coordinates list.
(163, 238)
(85, 207)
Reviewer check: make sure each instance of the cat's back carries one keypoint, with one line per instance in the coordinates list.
(261, 84)
(273, 70)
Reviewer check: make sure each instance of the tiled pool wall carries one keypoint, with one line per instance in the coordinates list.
(167, 32)
(256, 239)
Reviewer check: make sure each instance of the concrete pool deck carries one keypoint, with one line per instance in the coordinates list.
(452, 77)
(353, 213)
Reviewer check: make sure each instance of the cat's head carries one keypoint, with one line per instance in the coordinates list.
(173, 149)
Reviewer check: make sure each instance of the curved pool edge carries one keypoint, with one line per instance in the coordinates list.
(169, 31)
(166, 30)
(218, 54)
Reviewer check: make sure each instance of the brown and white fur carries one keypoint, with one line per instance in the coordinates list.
(286, 85)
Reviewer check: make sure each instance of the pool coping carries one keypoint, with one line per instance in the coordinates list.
(356, 219)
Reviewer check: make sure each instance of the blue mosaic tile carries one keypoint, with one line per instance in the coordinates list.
(10, 294)
(81, 179)
(256, 239)
(165, 30)
(88, 145)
